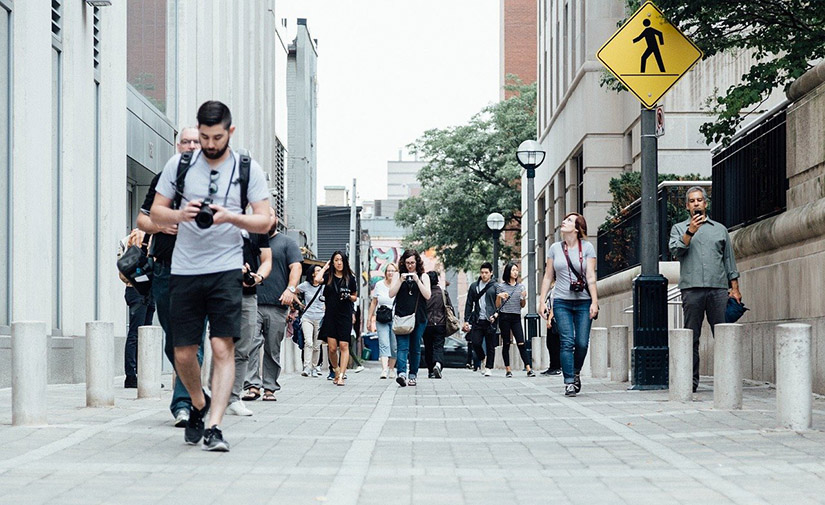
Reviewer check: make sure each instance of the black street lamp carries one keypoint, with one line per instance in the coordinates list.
(530, 155)
(495, 222)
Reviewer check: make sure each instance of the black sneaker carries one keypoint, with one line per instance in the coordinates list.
(577, 383)
(194, 427)
(437, 370)
(569, 390)
(431, 375)
(555, 371)
(213, 440)
(531, 373)
(401, 380)
(130, 382)
(549, 371)
(331, 375)
(508, 374)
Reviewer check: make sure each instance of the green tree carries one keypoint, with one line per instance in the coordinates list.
(471, 171)
(785, 36)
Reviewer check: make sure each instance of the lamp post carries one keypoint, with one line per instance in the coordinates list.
(495, 222)
(530, 155)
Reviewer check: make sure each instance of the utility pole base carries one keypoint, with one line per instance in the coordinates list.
(649, 357)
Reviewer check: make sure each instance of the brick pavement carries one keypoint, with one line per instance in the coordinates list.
(463, 439)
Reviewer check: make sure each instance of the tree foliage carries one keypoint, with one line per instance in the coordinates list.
(471, 171)
(785, 37)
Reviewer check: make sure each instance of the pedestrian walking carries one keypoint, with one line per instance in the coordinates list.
(311, 315)
(207, 260)
(479, 317)
(340, 292)
(553, 341)
(141, 312)
(436, 331)
(511, 297)
(380, 320)
(571, 262)
(411, 290)
(708, 275)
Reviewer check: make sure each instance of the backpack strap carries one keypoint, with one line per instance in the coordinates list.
(183, 167)
(246, 163)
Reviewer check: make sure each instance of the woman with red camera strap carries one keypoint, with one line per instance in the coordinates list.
(571, 262)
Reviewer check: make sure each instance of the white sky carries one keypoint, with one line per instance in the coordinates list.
(390, 69)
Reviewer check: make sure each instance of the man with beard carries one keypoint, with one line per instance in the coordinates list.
(207, 261)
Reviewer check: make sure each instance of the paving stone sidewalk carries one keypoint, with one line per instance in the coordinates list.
(465, 439)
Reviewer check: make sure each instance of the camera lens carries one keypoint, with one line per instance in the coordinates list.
(205, 217)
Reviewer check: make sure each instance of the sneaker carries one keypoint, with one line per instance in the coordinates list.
(317, 369)
(437, 370)
(487, 372)
(508, 374)
(577, 382)
(569, 390)
(315, 373)
(549, 371)
(531, 373)
(181, 418)
(238, 409)
(411, 382)
(305, 372)
(331, 375)
(555, 371)
(431, 375)
(359, 369)
(401, 380)
(213, 440)
(385, 373)
(194, 427)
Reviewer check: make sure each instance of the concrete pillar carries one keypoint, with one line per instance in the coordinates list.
(598, 353)
(680, 365)
(150, 350)
(793, 376)
(618, 350)
(29, 373)
(727, 366)
(100, 362)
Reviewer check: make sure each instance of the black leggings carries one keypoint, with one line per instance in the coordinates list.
(511, 323)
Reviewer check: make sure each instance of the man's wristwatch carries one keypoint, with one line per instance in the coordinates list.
(689, 233)
(291, 289)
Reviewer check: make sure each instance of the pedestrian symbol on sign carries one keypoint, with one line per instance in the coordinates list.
(650, 35)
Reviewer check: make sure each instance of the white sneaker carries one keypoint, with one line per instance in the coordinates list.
(359, 369)
(384, 373)
(305, 372)
(238, 409)
(487, 372)
(317, 370)
(315, 373)
(182, 418)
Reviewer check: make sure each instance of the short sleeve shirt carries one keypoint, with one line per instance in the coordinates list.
(252, 245)
(513, 304)
(333, 303)
(381, 292)
(217, 248)
(564, 277)
(285, 252)
(316, 310)
(162, 244)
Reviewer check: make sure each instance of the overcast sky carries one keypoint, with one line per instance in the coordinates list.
(390, 69)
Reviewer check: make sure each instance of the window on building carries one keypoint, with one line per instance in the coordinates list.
(96, 41)
(150, 56)
(541, 236)
(5, 163)
(578, 167)
(551, 217)
(562, 197)
(279, 179)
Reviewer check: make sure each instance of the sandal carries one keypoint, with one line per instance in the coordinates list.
(251, 394)
(269, 396)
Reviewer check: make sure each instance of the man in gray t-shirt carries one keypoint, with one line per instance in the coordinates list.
(206, 278)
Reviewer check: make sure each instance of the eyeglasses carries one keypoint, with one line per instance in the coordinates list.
(213, 182)
(190, 141)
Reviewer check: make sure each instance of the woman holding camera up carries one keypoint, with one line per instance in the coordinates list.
(411, 290)
(340, 292)
(572, 263)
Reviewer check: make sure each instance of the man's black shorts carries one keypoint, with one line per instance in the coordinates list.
(193, 298)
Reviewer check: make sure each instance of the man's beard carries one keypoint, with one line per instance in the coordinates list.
(217, 154)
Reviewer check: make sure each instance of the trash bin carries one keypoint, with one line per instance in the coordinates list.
(370, 351)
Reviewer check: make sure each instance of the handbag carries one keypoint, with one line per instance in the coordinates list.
(452, 322)
(734, 310)
(136, 266)
(404, 325)
(383, 314)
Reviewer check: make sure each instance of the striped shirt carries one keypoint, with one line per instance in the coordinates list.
(513, 304)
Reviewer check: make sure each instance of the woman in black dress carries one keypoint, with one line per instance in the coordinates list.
(340, 291)
(411, 289)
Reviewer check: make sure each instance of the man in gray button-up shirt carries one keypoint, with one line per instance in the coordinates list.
(708, 275)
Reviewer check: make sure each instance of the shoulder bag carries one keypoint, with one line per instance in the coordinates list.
(404, 325)
(136, 266)
(452, 321)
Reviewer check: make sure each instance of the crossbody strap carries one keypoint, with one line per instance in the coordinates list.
(317, 292)
(570, 264)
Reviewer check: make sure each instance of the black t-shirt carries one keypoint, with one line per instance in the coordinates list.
(409, 299)
(333, 304)
(252, 246)
(162, 244)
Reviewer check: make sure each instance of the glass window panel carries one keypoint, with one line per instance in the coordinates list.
(146, 59)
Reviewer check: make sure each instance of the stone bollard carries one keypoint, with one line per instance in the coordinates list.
(680, 365)
(617, 342)
(100, 358)
(727, 366)
(29, 373)
(150, 349)
(598, 353)
(794, 384)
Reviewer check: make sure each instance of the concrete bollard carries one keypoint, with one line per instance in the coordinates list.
(618, 348)
(150, 349)
(598, 353)
(29, 373)
(680, 365)
(794, 383)
(100, 358)
(727, 366)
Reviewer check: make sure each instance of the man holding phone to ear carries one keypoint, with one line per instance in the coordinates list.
(708, 275)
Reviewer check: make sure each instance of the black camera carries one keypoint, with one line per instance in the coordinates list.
(345, 293)
(577, 286)
(205, 216)
(248, 279)
(408, 277)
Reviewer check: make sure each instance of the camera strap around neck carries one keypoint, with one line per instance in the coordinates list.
(570, 264)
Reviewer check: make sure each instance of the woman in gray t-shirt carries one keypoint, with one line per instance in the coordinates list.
(575, 299)
(511, 296)
(313, 312)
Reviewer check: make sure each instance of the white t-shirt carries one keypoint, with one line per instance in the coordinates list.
(219, 247)
(316, 310)
(381, 292)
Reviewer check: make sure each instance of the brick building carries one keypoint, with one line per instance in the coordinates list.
(518, 41)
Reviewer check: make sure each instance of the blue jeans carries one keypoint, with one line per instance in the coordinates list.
(160, 292)
(573, 317)
(387, 343)
(410, 346)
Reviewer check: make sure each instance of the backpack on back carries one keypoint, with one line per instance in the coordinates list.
(186, 162)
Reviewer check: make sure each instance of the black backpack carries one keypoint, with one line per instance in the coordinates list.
(183, 167)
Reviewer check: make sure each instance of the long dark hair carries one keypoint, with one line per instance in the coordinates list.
(419, 265)
(347, 270)
(507, 270)
(311, 273)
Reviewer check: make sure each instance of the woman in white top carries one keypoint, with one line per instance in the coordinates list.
(312, 313)
(380, 320)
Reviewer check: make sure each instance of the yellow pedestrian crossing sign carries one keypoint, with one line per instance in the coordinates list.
(648, 54)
